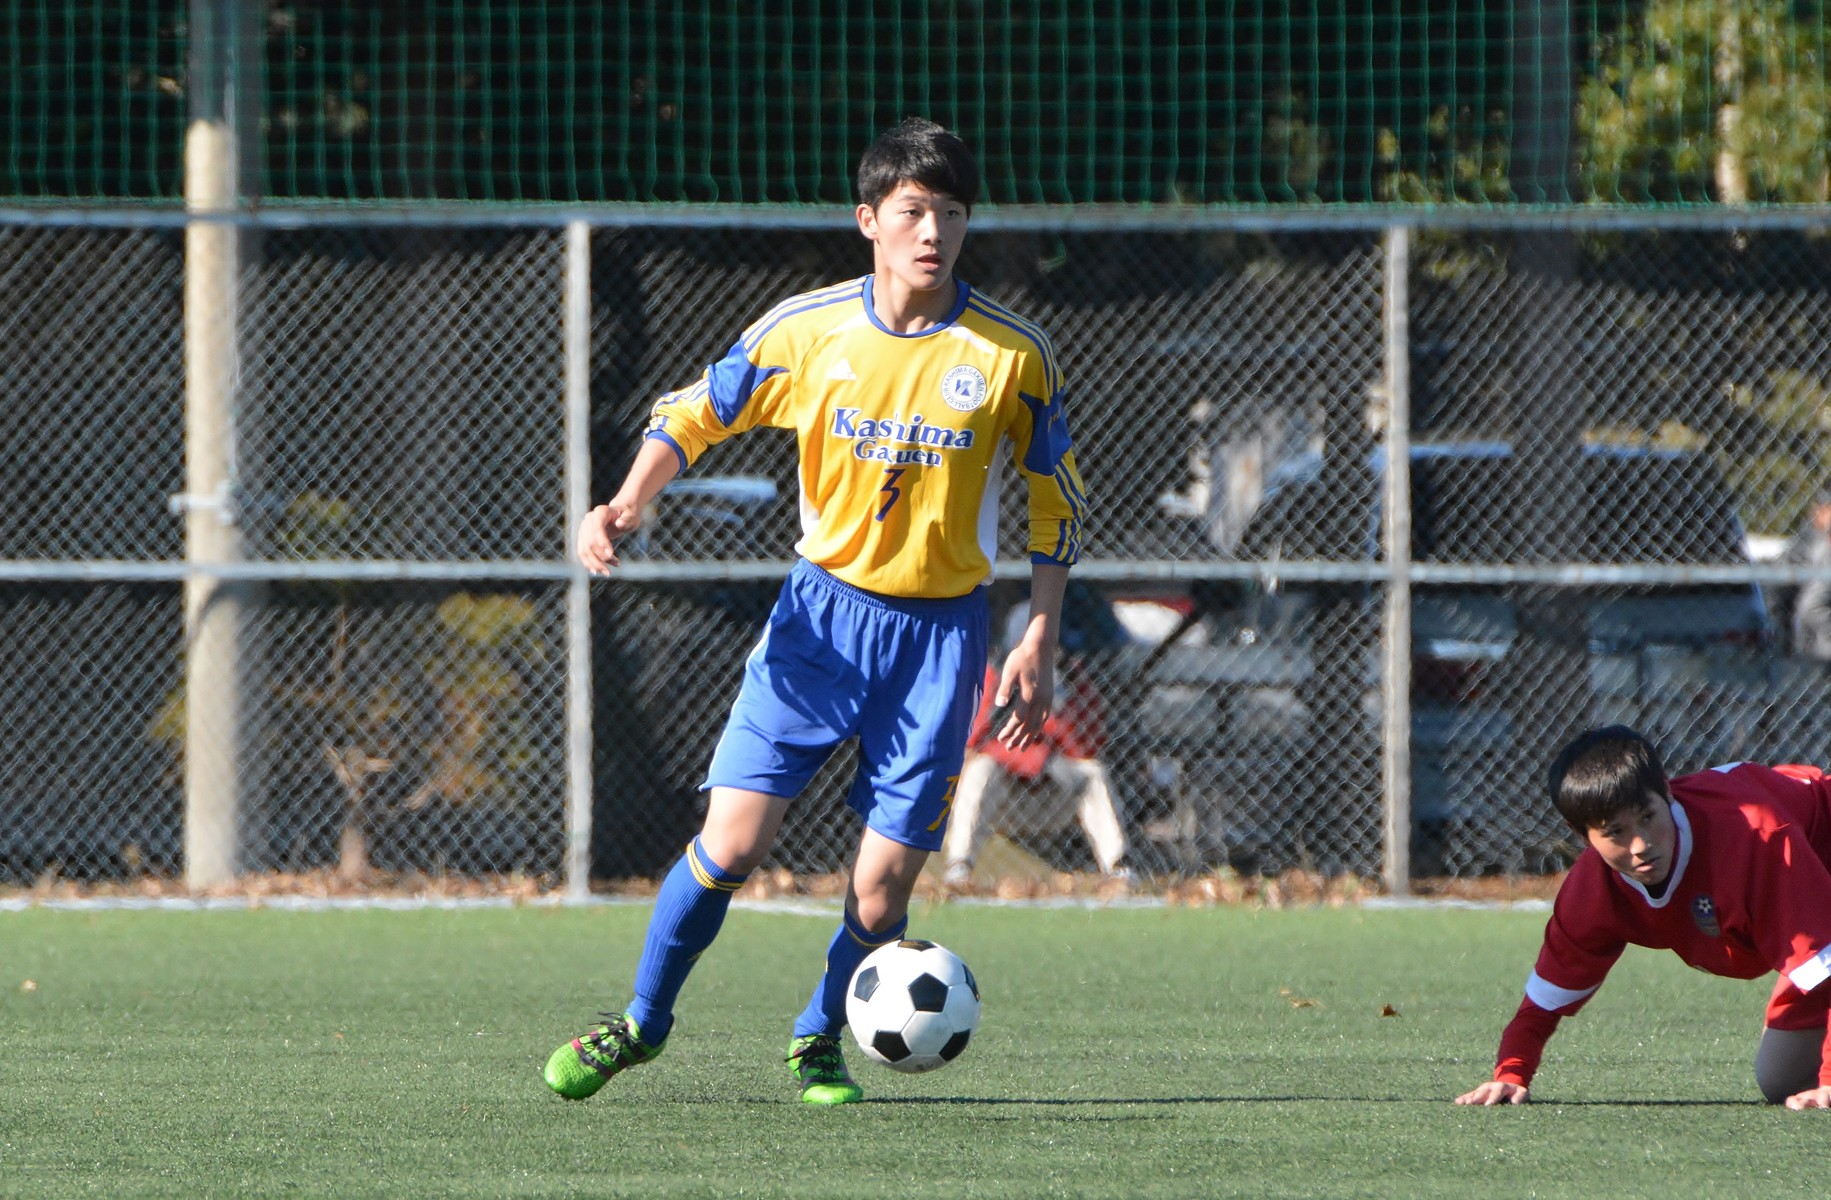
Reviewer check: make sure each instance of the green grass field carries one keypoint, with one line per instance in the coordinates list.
(1124, 1052)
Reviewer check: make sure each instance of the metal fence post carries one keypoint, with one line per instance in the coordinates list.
(1395, 636)
(578, 587)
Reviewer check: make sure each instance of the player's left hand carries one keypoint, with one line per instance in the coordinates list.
(1027, 687)
(1818, 1097)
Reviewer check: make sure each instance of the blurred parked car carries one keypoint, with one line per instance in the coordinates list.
(707, 518)
(1231, 705)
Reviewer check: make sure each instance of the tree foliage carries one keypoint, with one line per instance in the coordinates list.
(1688, 95)
(1167, 101)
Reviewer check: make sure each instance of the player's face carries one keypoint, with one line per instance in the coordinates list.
(918, 234)
(1639, 842)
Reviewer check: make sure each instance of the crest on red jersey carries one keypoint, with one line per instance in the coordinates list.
(1704, 912)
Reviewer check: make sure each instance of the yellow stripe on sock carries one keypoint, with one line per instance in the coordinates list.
(704, 877)
(866, 944)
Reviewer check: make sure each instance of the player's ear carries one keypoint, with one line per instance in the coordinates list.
(867, 221)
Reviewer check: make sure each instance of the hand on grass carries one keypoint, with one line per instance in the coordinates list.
(1818, 1097)
(1496, 1092)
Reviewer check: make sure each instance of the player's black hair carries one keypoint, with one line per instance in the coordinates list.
(1603, 772)
(918, 151)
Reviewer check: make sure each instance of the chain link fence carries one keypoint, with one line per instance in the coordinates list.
(1611, 436)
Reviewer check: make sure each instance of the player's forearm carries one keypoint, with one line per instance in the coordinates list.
(1048, 585)
(1522, 1044)
(655, 466)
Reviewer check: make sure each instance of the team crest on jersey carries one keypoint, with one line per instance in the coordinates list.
(1704, 912)
(963, 388)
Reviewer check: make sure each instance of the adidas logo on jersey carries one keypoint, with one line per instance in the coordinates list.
(841, 370)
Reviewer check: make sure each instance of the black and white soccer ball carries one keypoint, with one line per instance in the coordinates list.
(913, 1006)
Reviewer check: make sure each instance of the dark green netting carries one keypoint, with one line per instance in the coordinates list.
(1066, 101)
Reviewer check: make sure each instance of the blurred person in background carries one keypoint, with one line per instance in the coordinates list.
(1041, 789)
(1812, 608)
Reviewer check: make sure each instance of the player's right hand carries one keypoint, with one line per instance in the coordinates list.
(599, 531)
(1495, 1092)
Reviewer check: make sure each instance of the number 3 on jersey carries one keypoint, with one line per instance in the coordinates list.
(890, 492)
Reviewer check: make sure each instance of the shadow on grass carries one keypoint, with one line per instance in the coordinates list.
(1082, 1102)
(1650, 1103)
(1088, 1101)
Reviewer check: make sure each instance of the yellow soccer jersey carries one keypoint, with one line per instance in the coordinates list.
(897, 434)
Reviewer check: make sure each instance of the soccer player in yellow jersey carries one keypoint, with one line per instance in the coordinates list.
(903, 387)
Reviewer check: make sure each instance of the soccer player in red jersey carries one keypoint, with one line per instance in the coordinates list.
(1727, 868)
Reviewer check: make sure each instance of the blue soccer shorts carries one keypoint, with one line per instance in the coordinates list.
(836, 661)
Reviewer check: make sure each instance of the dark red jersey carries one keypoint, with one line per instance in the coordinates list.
(1749, 893)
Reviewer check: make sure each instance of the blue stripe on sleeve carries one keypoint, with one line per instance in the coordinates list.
(1067, 549)
(662, 436)
(732, 380)
(1077, 501)
(1049, 439)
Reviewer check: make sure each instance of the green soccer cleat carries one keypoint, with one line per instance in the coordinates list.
(819, 1066)
(586, 1063)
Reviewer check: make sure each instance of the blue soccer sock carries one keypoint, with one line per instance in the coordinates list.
(826, 1012)
(688, 913)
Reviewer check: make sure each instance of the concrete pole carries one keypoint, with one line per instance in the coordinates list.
(579, 743)
(1395, 674)
(213, 610)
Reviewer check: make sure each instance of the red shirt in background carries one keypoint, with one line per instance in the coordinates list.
(1077, 727)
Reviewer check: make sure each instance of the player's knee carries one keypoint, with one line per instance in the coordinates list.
(740, 828)
(1786, 1063)
(1770, 1093)
(1777, 1084)
(737, 855)
(880, 910)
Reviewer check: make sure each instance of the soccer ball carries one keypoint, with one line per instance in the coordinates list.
(912, 1006)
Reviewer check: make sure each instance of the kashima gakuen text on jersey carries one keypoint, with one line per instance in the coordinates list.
(911, 443)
